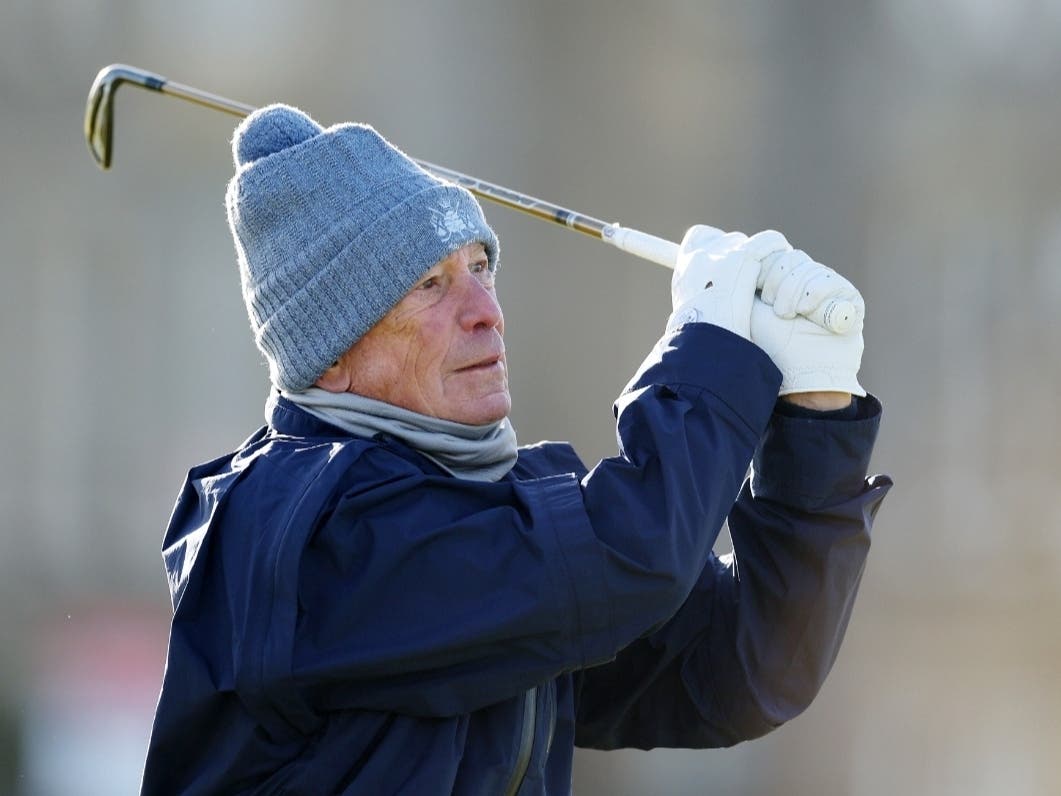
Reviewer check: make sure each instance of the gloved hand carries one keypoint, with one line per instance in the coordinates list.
(793, 284)
(716, 275)
(810, 358)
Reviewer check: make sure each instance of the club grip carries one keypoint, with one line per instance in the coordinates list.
(835, 315)
(641, 244)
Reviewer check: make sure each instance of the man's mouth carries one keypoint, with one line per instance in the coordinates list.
(483, 364)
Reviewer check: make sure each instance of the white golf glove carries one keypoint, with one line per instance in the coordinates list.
(810, 358)
(716, 276)
(793, 284)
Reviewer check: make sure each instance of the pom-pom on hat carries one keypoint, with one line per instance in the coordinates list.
(332, 227)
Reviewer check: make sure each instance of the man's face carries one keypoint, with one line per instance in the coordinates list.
(439, 351)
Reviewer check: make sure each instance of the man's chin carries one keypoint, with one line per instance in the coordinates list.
(484, 410)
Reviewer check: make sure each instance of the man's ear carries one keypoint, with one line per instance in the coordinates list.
(334, 379)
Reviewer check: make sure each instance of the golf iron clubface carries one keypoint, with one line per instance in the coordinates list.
(837, 316)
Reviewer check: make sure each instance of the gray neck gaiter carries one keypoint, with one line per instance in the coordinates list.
(479, 453)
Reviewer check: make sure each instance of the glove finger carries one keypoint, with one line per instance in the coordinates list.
(823, 285)
(786, 272)
(696, 238)
(734, 273)
(700, 236)
(823, 297)
(794, 286)
(729, 242)
(747, 275)
(698, 264)
(762, 245)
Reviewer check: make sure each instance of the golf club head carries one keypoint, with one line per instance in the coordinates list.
(99, 110)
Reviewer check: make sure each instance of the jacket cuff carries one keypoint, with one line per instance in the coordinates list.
(806, 461)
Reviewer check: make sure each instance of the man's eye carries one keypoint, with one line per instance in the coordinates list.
(429, 283)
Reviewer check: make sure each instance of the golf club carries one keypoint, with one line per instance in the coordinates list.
(835, 315)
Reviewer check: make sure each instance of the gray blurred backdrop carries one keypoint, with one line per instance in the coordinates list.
(913, 146)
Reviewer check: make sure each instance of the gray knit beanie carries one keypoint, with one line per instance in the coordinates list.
(332, 227)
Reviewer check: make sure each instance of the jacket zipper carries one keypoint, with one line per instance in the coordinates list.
(526, 742)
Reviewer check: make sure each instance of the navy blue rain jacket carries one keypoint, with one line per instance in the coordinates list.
(349, 619)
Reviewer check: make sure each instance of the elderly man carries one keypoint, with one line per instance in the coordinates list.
(379, 592)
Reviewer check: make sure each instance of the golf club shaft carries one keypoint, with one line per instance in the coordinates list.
(834, 315)
(110, 77)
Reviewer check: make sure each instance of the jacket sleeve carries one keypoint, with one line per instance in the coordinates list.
(754, 642)
(436, 596)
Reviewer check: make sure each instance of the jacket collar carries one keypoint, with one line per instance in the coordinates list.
(287, 418)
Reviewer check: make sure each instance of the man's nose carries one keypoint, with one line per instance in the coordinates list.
(479, 305)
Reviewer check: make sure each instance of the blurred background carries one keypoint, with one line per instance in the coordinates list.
(913, 146)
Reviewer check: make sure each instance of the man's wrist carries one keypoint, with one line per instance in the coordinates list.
(819, 401)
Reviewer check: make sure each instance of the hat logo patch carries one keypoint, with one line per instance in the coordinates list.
(449, 221)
